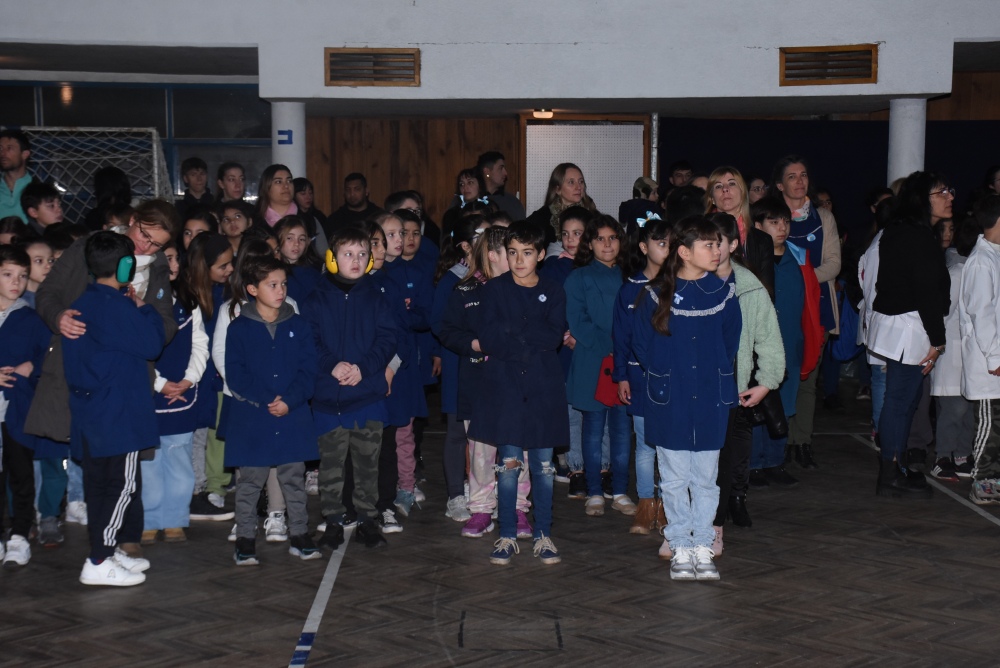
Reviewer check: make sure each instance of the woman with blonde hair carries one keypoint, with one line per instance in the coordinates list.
(567, 188)
(727, 193)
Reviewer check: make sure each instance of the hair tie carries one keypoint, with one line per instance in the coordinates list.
(641, 222)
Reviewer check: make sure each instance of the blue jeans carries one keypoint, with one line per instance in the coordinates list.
(574, 458)
(50, 485)
(168, 483)
(621, 443)
(74, 483)
(690, 495)
(542, 472)
(878, 393)
(766, 452)
(645, 460)
(903, 384)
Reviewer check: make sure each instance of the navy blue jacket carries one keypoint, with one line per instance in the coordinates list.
(302, 280)
(357, 328)
(260, 367)
(690, 375)
(407, 399)
(558, 269)
(521, 400)
(626, 366)
(415, 279)
(180, 417)
(457, 331)
(449, 360)
(107, 371)
(23, 338)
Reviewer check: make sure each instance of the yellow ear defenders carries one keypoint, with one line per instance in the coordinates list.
(331, 262)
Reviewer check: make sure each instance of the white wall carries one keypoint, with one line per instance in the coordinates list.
(540, 49)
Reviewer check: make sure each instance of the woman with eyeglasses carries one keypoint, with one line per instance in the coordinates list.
(907, 324)
(756, 188)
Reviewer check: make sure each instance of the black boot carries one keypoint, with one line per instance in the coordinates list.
(738, 511)
(791, 451)
(333, 537)
(777, 475)
(804, 456)
(368, 533)
(894, 482)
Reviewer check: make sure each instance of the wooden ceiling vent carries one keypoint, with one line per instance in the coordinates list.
(372, 67)
(827, 65)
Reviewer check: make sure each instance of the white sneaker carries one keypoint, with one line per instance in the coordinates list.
(387, 522)
(76, 512)
(594, 506)
(3, 551)
(109, 573)
(321, 527)
(18, 552)
(131, 564)
(216, 500)
(312, 483)
(275, 528)
(232, 534)
(704, 567)
(418, 495)
(458, 510)
(682, 564)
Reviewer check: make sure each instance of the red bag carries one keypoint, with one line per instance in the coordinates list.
(607, 389)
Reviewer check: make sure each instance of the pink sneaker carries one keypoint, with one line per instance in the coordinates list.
(523, 525)
(479, 524)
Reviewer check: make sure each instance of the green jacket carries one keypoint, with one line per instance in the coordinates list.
(760, 334)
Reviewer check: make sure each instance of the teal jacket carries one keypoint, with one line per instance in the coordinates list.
(759, 334)
(591, 292)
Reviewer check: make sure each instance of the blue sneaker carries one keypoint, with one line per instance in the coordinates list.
(503, 550)
(404, 502)
(546, 551)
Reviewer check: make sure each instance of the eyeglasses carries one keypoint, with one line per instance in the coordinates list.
(418, 211)
(758, 189)
(149, 239)
(944, 192)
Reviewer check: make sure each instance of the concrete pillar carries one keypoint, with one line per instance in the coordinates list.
(288, 136)
(907, 128)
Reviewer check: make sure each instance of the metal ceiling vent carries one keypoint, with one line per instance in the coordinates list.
(372, 67)
(827, 65)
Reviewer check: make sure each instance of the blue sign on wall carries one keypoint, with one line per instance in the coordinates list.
(285, 136)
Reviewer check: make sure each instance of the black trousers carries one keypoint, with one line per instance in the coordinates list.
(734, 460)
(112, 488)
(19, 474)
(456, 445)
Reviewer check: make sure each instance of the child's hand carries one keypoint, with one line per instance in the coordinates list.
(389, 375)
(475, 346)
(753, 396)
(24, 369)
(131, 294)
(435, 366)
(173, 391)
(340, 371)
(277, 408)
(69, 326)
(407, 300)
(353, 377)
(7, 378)
(624, 392)
(569, 340)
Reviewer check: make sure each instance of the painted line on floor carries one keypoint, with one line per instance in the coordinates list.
(941, 488)
(311, 626)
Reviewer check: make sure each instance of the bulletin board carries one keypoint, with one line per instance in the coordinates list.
(610, 155)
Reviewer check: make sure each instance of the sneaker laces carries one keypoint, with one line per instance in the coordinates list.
(544, 543)
(505, 544)
(388, 517)
(703, 553)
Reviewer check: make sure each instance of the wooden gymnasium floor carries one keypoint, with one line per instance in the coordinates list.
(829, 575)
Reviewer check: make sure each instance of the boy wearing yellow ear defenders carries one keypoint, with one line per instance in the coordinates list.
(356, 339)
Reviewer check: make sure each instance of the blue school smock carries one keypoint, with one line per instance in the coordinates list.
(789, 301)
(626, 365)
(690, 375)
(355, 327)
(259, 367)
(107, 371)
(302, 280)
(590, 305)
(808, 234)
(407, 399)
(449, 360)
(23, 338)
(557, 269)
(521, 399)
(180, 417)
(459, 324)
(211, 382)
(416, 276)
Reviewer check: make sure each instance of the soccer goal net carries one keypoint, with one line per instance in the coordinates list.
(68, 158)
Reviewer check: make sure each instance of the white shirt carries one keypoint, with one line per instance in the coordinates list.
(979, 321)
(867, 277)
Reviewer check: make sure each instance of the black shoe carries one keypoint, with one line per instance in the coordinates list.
(203, 509)
(944, 469)
(833, 403)
(915, 458)
(350, 519)
(606, 487)
(777, 475)
(790, 451)
(758, 479)
(303, 547)
(262, 503)
(738, 511)
(368, 533)
(577, 485)
(333, 537)
(245, 553)
(893, 482)
(804, 456)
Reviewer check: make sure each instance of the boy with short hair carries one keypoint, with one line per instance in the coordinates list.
(979, 321)
(355, 339)
(23, 344)
(43, 206)
(194, 173)
(521, 403)
(270, 370)
(111, 405)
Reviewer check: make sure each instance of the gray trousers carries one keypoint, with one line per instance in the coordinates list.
(956, 426)
(198, 459)
(291, 477)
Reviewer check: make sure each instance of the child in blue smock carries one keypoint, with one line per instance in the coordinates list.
(270, 369)
(687, 330)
